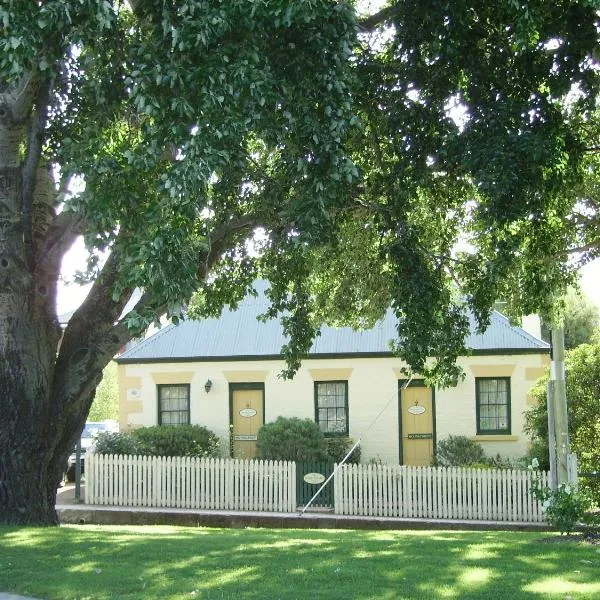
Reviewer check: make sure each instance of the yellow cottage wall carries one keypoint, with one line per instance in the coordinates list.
(372, 391)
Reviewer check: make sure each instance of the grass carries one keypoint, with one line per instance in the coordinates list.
(100, 562)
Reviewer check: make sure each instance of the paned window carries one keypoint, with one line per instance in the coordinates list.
(493, 404)
(331, 407)
(174, 404)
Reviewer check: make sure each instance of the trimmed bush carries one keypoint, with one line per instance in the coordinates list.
(338, 447)
(177, 440)
(459, 451)
(291, 439)
(162, 440)
(116, 443)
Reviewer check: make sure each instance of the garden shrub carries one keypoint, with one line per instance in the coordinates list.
(538, 449)
(177, 440)
(565, 507)
(338, 447)
(116, 443)
(291, 439)
(162, 440)
(504, 462)
(459, 451)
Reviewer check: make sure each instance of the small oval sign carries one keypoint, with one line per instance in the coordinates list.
(314, 478)
(247, 412)
(416, 410)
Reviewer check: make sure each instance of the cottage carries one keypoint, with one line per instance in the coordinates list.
(224, 374)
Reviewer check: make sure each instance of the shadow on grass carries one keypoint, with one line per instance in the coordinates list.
(165, 562)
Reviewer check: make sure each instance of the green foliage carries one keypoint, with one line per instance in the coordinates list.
(583, 406)
(539, 450)
(123, 443)
(363, 162)
(459, 451)
(180, 440)
(565, 507)
(106, 400)
(338, 447)
(291, 439)
(430, 128)
(162, 440)
(580, 319)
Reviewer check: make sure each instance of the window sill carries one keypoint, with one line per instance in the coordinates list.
(491, 437)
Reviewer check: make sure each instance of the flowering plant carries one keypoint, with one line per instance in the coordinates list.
(563, 507)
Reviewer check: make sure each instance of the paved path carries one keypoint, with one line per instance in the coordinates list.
(13, 597)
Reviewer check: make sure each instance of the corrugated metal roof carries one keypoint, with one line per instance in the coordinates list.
(239, 334)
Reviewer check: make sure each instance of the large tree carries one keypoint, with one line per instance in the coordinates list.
(190, 124)
(193, 123)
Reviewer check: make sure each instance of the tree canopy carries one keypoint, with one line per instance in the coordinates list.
(580, 318)
(429, 157)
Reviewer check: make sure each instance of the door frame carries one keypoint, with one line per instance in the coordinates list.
(243, 386)
(415, 383)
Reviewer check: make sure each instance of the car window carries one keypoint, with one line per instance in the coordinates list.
(91, 430)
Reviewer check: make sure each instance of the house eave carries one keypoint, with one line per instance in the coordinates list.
(322, 356)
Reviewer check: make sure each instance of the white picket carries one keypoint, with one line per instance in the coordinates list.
(436, 492)
(373, 490)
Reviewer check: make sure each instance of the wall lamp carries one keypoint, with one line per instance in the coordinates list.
(208, 385)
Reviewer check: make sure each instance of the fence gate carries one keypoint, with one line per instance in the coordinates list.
(309, 478)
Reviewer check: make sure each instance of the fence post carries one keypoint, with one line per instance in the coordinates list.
(89, 478)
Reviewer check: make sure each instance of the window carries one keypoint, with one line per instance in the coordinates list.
(174, 404)
(493, 404)
(331, 407)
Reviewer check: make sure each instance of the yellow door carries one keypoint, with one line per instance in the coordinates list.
(247, 417)
(417, 425)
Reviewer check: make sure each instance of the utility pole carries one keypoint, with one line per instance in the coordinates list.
(558, 426)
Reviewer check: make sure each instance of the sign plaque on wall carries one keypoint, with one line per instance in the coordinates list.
(420, 436)
(314, 478)
(416, 409)
(247, 412)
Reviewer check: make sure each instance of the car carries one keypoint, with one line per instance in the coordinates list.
(88, 438)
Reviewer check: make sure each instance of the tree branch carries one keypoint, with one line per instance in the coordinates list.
(593, 245)
(221, 238)
(372, 22)
(61, 235)
(32, 161)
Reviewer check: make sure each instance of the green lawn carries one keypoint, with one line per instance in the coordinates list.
(89, 562)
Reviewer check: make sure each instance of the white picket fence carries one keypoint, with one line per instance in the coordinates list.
(437, 493)
(257, 485)
(200, 483)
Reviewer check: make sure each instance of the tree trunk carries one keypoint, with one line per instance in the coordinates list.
(28, 473)
(39, 423)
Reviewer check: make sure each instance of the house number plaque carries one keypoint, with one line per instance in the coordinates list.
(416, 409)
(314, 478)
(247, 412)
(420, 436)
(244, 438)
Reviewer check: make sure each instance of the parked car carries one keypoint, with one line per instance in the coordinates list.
(88, 438)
